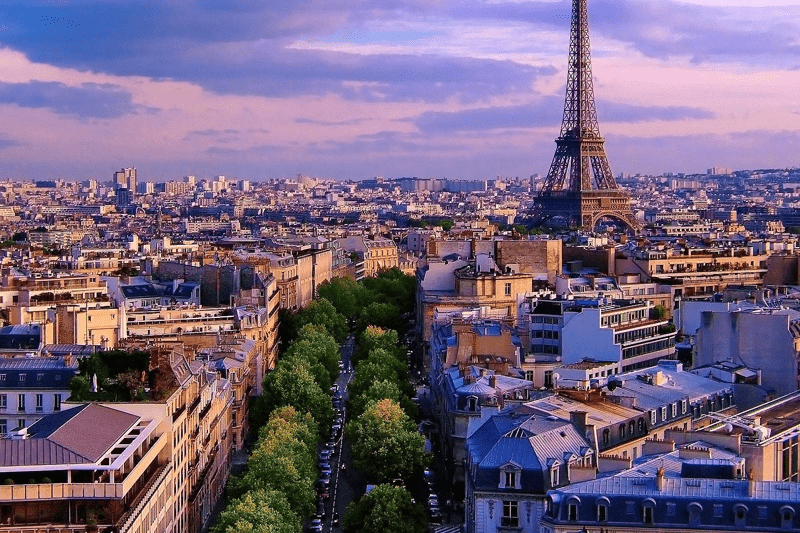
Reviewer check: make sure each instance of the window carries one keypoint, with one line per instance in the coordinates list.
(56, 402)
(622, 431)
(21, 423)
(572, 510)
(510, 479)
(605, 436)
(684, 405)
(663, 413)
(787, 517)
(3, 426)
(3, 401)
(652, 417)
(20, 402)
(554, 476)
(510, 514)
(507, 289)
(641, 425)
(648, 514)
(694, 514)
(548, 379)
(39, 403)
(674, 410)
(602, 512)
(22, 378)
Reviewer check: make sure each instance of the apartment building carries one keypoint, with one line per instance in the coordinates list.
(624, 332)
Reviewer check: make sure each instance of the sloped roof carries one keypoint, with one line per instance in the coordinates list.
(79, 435)
(139, 291)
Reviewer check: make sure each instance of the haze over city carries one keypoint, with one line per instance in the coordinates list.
(457, 89)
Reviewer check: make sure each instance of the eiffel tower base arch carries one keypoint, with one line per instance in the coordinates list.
(585, 208)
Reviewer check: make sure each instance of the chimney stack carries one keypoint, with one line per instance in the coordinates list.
(660, 479)
(578, 419)
(493, 381)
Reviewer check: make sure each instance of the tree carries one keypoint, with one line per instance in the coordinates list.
(258, 511)
(376, 337)
(322, 313)
(382, 390)
(384, 315)
(284, 463)
(317, 345)
(343, 294)
(384, 442)
(386, 509)
(293, 383)
(79, 389)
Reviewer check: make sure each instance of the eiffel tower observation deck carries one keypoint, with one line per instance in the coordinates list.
(580, 187)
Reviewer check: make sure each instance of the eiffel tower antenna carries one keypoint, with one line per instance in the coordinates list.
(580, 185)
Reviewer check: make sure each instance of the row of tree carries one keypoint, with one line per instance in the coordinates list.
(384, 442)
(276, 492)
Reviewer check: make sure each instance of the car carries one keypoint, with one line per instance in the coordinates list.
(435, 518)
(433, 500)
(320, 509)
(325, 455)
(335, 429)
(323, 465)
(325, 472)
(323, 483)
(427, 473)
(315, 526)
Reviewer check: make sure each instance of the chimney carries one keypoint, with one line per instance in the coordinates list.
(660, 479)
(493, 381)
(578, 419)
(751, 483)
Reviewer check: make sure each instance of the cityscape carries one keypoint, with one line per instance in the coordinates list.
(542, 344)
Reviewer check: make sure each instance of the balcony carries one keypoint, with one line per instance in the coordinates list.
(56, 491)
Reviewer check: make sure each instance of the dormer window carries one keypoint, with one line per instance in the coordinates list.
(554, 475)
(510, 479)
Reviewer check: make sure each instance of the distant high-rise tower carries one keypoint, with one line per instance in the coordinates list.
(580, 186)
(126, 179)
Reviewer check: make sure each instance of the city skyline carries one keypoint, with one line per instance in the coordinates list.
(463, 90)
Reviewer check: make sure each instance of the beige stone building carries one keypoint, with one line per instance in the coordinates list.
(495, 274)
(152, 466)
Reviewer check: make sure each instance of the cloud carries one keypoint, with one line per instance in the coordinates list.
(7, 143)
(315, 122)
(89, 100)
(547, 112)
(227, 135)
(245, 48)
(667, 28)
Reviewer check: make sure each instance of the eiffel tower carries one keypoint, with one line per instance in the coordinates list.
(580, 186)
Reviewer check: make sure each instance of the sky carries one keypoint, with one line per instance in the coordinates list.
(351, 89)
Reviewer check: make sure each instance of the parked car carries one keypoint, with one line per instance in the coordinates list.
(315, 526)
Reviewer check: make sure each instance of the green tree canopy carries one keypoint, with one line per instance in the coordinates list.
(317, 345)
(322, 313)
(258, 511)
(382, 390)
(281, 461)
(374, 337)
(343, 293)
(292, 382)
(382, 314)
(384, 442)
(386, 509)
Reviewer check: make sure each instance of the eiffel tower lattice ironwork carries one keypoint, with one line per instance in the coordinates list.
(580, 186)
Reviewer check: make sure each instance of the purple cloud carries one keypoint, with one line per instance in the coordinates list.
(547, 112)
(89, 100)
